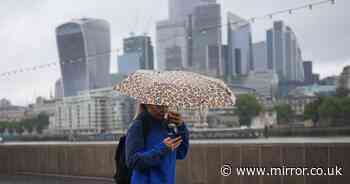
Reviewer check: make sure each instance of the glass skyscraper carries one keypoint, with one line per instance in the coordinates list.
(183, 30)
(284, 54)
(214, 61)
(308, 72)
(270, 50)
(181, 9)
(143, 46)
(128, 63)
(240, 45)
(260, 57)
(205, 32)
(280, 50)
(84, 48)
(171, 34)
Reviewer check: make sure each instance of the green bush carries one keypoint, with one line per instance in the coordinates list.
(248, 107)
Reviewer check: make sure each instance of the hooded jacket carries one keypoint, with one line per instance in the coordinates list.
(151, 160)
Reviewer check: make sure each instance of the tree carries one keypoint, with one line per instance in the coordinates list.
(41, 122)
(345, 111)
(11, 127)
(248, 107)
(19, 127)
(28, 125)
(335, 110)
(285, 113)
(329, 111)
(329, 108)
(3, 126)
(311, 110)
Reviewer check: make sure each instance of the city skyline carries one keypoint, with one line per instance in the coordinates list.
(19, 44)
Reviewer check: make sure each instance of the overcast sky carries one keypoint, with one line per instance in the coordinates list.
(27, 34)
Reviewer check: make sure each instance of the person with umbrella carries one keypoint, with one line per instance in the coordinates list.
(152, 154)
(153, 160)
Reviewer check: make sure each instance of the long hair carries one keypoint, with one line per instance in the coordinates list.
(140, 108)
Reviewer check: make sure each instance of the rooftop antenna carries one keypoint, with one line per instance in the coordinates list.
(148, 24)
(51, 96)
(136, 23)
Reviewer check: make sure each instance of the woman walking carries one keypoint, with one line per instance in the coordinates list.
(152, 148)
(153, 156)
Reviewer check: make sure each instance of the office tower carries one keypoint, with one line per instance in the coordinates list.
(141, 45)
(205, 32)
(284, 54)
(84, 50)
(308, 73)
(129, 63)
(217, 62)
(213, 61)
(240, 45)
(226, 65)
(173, 58)
(181, 9)
(260, 57)
(299, 69)
(294, 65)
(59, 89)
(290, 62)
(171, 35)
(183, 30)
(270, 49)
(279, 49)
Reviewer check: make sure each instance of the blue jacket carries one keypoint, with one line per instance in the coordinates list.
(153, 163)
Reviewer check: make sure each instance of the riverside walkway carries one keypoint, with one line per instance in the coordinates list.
(31, 179)
(93, 162)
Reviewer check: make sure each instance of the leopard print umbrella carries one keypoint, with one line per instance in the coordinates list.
(180, 89)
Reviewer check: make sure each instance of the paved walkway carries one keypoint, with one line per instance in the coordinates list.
(49, 180)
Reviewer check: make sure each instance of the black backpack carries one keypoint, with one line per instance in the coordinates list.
(123, 173)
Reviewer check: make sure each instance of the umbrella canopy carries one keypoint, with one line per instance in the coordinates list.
(180, 89)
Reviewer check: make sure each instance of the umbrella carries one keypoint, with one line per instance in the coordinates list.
(179, 89)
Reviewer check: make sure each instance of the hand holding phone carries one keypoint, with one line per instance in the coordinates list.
(172, 143)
